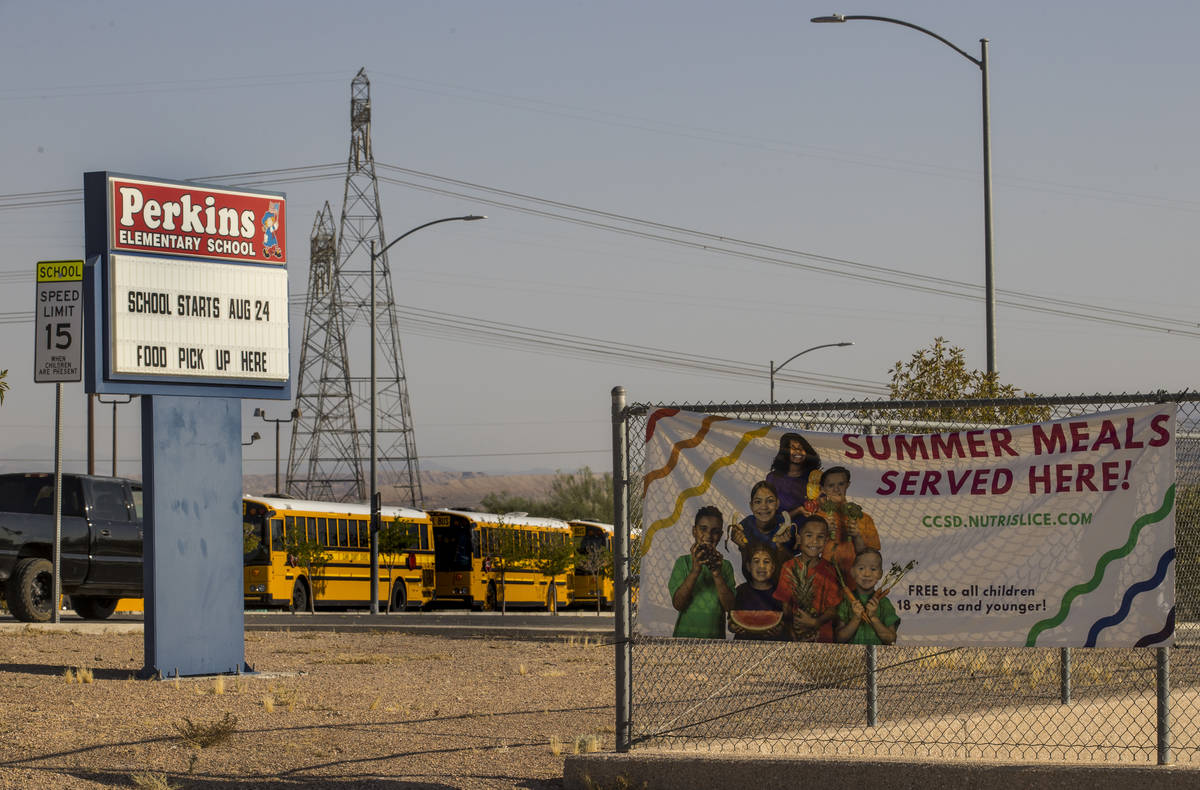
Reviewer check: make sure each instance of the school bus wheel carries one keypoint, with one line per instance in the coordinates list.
(300, 596)
(399, 596)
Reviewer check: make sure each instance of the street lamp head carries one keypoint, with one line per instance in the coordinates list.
(847, 343)
(474, 217)
(254, 437)
(259, 413)
(830, 18)
(295, 414)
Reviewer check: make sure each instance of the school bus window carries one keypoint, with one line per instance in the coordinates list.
(364, 539)
(291, 525)
(342, 536)
(323, 537)
(276, 534)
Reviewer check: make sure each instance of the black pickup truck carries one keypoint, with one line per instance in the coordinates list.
(101, 543)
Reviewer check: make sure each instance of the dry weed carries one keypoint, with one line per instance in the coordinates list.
(268, 703)
(219, 685)
(147, 780)
(556, 746)
(203, 736)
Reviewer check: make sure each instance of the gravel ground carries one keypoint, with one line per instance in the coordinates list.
(373, 710)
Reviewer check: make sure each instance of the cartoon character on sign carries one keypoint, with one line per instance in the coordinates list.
(270, 224)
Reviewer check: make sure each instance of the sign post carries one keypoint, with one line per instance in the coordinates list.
(58, 357)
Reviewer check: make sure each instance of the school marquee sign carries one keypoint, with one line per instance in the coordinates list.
(191, 287)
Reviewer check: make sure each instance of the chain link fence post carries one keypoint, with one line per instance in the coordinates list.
(872, 688)
(622, 624)
(1064, 675)
(1164, 705)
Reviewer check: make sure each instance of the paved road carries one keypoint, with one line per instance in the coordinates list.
(514, 625)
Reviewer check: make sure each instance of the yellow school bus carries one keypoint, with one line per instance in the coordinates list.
(469, 568)
(593, 585)
(273, 578)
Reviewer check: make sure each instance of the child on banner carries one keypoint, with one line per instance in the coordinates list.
(757, 613)
(795, 474)
(866, 616)
(766, 523)
(701, 583)
(851, 531)
(808, 586)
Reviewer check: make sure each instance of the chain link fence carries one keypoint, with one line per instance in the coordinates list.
(1029, 704)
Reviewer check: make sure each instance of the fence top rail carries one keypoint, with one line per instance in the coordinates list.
(1161, 396)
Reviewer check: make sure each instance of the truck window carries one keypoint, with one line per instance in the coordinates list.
(108, 501)
(137, 501)
(35, 494)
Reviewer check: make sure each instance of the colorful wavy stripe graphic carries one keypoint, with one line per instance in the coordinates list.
(1134, 590)
(655, 417)
(683, 444)
(1158, 636)
(1101, 566)
(695, 491)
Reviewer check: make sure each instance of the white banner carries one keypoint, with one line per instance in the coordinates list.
(1056, 534)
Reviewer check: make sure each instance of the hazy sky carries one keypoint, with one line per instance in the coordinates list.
(836, 147)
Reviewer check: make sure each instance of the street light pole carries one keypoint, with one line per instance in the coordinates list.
(115, 403)
(989, 285)
(295, 415)
(376, 499)
(775, 369)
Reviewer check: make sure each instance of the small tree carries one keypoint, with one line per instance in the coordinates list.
(504, 552)
(395, 536)
(939, 372)
(3, 384)
(551, 555)
(309, 555)
(596, 560)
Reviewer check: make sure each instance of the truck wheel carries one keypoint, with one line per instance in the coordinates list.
(94, 607)
(300, 596)
(399, 596)
(31, 590)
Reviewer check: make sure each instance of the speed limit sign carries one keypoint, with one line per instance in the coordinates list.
(58, 336)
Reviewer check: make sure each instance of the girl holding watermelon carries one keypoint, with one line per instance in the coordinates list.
(756, 613)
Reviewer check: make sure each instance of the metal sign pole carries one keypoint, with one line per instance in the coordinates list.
(56, 600)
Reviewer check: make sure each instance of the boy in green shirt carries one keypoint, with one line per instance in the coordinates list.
(701, 583)
(867, 619)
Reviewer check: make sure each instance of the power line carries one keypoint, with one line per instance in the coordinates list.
(711, 242)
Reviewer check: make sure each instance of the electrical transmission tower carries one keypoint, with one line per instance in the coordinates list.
(331, 442)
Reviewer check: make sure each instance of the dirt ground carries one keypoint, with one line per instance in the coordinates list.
(373, 710)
